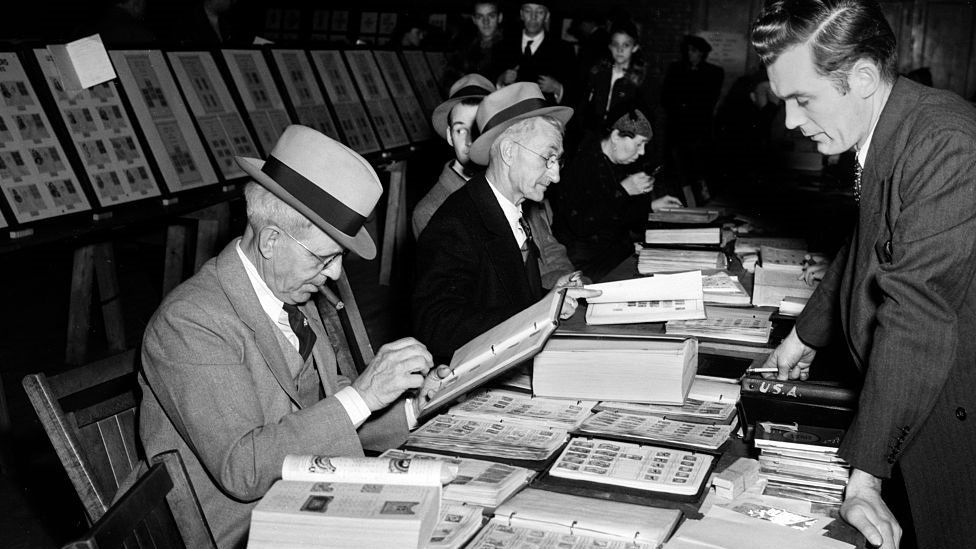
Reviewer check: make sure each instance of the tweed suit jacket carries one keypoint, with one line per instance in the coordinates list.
(470, 274)
(214, 363)
(904, 295)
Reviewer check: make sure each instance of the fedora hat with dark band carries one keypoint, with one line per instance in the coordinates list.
(327, 182)
(469, 85)
(506, 106)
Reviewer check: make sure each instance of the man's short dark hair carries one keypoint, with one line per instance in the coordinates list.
(840, 32)
(468, 102)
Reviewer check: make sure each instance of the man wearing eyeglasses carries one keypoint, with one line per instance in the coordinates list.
(537, 56)
(478, 260)
(238, 369)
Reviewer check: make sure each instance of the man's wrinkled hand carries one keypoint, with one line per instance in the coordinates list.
(573, 283)
(432, 382)
(864, 509)
(397, 367)
(791, 359)
(549, 84)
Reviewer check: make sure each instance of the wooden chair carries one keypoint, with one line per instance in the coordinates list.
(160, 511)
(89, 415)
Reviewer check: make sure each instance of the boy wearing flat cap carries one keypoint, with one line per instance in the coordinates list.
(238, 369)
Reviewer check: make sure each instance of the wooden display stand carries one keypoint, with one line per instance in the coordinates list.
(93, 263)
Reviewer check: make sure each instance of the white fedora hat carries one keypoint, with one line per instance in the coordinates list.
(326, 181)
(469, 85)
(506, 106)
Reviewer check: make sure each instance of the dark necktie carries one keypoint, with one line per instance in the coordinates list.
(299, 325)
(857, 180)
(530, 255)
(528, 48)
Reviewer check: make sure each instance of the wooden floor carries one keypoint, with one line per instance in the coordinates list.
(38, 507)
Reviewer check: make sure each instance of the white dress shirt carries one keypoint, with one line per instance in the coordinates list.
(536, 41)
(512, 214)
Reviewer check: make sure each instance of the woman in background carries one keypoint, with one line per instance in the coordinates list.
(600, 204)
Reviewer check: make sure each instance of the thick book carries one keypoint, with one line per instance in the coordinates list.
(831, 394)
(670, 260)
(744, 325)
(629, 369)
(543, 519)
(697, 236)
(789, 260)
(656, 429)
(511, 441)
(497, 350)
(350, 503)
(720, 288)
(455, 526)
(683, 215)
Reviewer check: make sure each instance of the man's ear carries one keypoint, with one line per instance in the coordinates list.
(506, 150)
(449, 135)
(865, 78)
(500, 17)
(267, 238)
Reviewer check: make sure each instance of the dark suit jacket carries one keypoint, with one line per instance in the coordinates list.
(554, 58)
(470, 274)
(222, 369)
(906, 301)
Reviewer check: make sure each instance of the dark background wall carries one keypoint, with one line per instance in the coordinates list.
(932, 33)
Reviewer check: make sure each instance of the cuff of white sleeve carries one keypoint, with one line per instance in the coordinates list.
(355, 406)
(411, 415)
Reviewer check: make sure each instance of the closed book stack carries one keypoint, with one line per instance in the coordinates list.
(670, 260)
(683, 215)
(709, 401)
(636, 370)
(800, 462)
(707, 236)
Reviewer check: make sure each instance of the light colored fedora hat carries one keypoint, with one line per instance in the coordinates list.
(469, 85)
(327, 182)
(506, 106)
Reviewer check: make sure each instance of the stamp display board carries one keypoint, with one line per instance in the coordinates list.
(304, 93)
(104, 137)
(378, 102)
(416, 122)
(263, 103)
(35, 176)
(348, 107)
(423, 80)
(211, 104)
(164, 119)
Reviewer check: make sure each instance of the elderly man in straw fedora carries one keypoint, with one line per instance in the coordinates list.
(477, 260)
(239, 370)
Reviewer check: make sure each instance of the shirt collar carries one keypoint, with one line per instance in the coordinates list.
(536, 40)
(272, 305)
(511, 211)
(862, 153)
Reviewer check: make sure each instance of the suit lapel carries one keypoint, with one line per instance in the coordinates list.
(879, 162)
(240, 293)
(503, 254)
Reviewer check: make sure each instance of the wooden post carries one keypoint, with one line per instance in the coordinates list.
(396, 209)
(94, 263)
(173, 262)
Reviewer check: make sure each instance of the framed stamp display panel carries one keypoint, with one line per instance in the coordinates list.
(211, 104)
(104, 137)
(423, 80)
(378, 102)
(264, 105)
(164, 119)
(438, 62)
(303, 92)
(348, 107)
(35, 176)
(414, 118)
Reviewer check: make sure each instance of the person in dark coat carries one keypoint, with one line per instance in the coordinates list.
(536, 55)
(902, 292)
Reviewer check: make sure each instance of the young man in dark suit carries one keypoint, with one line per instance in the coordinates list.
(536, 55)
(903, 290)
